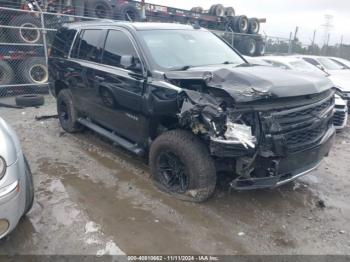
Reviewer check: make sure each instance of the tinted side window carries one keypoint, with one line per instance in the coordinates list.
(87, 45)
(118, 44)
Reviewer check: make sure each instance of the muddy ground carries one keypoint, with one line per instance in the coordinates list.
(93, 198)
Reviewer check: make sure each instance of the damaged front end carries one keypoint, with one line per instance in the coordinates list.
(264, 143)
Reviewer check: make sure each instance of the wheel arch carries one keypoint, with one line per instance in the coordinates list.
(58, 86)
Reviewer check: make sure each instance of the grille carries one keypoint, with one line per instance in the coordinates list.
(312, 111)
(305, 137)
(301, 127)
(339, 118)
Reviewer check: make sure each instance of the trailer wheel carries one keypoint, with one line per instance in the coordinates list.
(99, 8)
(6, 74)
(217, 10)
(34, 71)
(127, 12)
(254, 26)
(248, 46)
(198, 10)
(24, 35)
(230, 12)
(241, 24)
(260, 48)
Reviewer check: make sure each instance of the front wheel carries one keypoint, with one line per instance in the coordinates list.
(181, 166)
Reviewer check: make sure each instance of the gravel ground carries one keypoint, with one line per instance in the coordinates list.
(93, 198)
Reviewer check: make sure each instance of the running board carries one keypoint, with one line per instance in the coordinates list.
(113, 137)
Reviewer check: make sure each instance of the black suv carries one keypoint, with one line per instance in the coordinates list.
(185, 98)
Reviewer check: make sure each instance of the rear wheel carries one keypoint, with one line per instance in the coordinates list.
(181, 166)
(67, 113)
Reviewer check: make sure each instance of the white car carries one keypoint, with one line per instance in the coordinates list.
(337, 74)
(16, 183)
(292, 63)
(341, 61)
(340, 113)
(297, 64)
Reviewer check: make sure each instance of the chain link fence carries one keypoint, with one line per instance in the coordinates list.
(25, 40)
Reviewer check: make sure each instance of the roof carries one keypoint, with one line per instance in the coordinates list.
(138, 26)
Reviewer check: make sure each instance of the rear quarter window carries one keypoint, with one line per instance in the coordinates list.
(62, 42)
(88, 45)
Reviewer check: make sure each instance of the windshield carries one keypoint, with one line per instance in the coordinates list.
(329, 64)
(301, 65)
(177, 49)
(342, 62)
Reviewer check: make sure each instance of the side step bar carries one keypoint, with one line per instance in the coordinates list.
(113, 137)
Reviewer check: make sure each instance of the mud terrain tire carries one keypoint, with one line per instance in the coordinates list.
(67, 113)
(198, 166)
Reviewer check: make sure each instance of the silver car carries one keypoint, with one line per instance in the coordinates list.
(16, 183)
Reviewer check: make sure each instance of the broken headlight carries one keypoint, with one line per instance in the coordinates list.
(237, 132)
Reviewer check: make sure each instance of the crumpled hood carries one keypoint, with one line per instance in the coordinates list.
(9, 143)
(249, 83)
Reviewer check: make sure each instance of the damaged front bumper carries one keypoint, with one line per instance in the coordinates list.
(290, 167)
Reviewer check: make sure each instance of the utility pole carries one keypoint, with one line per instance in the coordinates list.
(341, 45)
(328, 25)
(290, 43)
(313, 44)
(313, 39)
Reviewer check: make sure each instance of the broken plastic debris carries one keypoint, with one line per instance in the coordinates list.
(238, 133)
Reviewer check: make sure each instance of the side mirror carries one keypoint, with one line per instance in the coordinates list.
(131, 63)
(126, 61)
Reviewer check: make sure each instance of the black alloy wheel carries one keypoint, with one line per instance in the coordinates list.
(172, 172)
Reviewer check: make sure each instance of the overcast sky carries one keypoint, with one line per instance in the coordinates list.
(284, 15)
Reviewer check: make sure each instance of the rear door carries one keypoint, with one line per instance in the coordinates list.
(85, 57)
(120, 88)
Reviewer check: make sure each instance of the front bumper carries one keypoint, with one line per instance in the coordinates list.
(340, 118)
(12, 198)
(290, 167)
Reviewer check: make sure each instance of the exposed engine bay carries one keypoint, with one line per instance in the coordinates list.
(254, 139)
